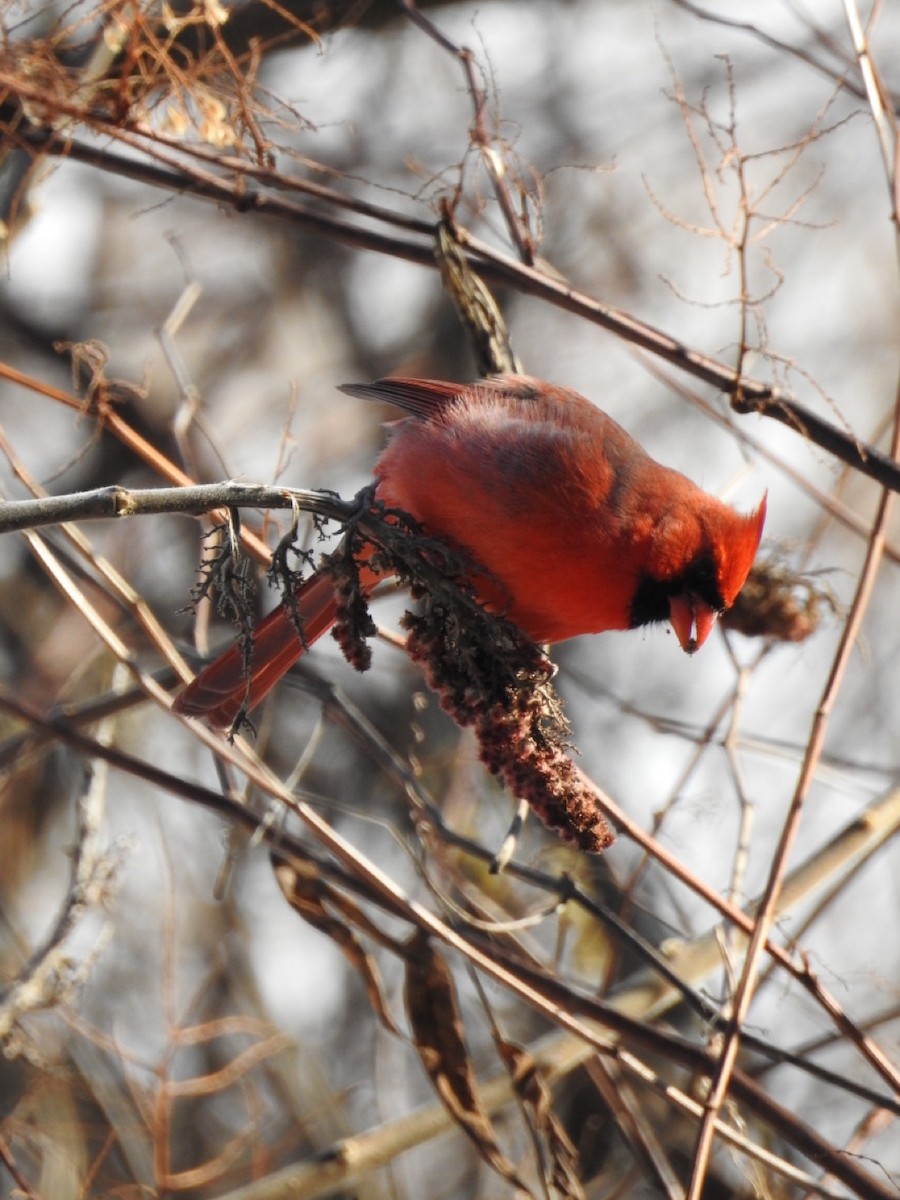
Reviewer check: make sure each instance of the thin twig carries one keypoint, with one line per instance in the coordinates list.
(48, 973)
(480, 137)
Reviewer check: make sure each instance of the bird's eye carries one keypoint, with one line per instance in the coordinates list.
(705, 569)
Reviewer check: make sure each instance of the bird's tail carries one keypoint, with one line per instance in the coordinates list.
(219, 692)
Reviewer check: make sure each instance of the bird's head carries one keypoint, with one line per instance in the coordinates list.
(699, 561)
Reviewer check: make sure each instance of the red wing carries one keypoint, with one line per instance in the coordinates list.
(220, 689)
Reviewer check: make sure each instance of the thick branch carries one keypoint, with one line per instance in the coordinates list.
(116, 501)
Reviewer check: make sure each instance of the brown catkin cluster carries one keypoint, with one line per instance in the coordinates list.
(501, 689)
(777, 602)
(354, 624)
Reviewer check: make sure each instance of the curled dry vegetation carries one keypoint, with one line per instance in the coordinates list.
(566, 1076)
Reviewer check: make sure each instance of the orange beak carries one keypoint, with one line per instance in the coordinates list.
(692, 620)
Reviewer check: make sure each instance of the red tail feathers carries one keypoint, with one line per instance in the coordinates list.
(220, 690)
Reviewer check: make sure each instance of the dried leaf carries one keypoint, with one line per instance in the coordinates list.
(438, 1037)
(307, 894)
(560, 1156)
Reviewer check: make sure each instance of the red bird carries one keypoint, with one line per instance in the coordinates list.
(580, 530)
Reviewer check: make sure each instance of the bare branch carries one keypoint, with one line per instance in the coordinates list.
(116, 501)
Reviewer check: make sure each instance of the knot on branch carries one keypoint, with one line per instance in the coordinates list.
(100, 394)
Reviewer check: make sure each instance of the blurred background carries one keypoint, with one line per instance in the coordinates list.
(714, 171)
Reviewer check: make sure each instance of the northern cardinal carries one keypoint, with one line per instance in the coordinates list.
(579, 530)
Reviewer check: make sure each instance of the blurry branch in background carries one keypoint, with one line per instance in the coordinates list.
(49, 975)
(832, 62)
